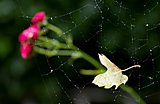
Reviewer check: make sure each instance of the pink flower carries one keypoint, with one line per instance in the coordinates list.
(29, 33)
(26, 50)
(38, 17)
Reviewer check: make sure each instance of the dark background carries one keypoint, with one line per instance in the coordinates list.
(130, 29)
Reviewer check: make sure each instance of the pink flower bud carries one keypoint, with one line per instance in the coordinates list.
(29, 33)
(25, 49)
(38, 17)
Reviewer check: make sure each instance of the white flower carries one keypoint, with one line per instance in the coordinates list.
(113, 76)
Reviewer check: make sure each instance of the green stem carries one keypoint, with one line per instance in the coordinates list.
(91, 60)
(55, 29)
(60, 33)
(50, 43)
(53, 52)
(91, 72)
(94, 62)
(132, 93)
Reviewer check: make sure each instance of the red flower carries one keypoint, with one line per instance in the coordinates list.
(26, 50)
(29, 33)
(38, 17)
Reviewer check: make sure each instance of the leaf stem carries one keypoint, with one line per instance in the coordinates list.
(134, 66)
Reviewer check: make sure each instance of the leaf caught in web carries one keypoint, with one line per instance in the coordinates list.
(113, 76)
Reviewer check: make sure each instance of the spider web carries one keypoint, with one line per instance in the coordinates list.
(127, 32)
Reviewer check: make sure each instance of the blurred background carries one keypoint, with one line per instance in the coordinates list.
(127, 32)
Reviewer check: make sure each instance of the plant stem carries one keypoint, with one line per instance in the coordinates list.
(94, 62)
(53, 52)
(49, 43)
(55, 29)
(132, 93)
(59, 32)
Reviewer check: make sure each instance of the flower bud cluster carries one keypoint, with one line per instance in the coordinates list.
(28, 36)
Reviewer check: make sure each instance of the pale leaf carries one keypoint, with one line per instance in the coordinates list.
(113, 75)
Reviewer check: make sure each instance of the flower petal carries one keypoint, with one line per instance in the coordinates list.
(26, 50)
(38, 17)
(29, 33)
